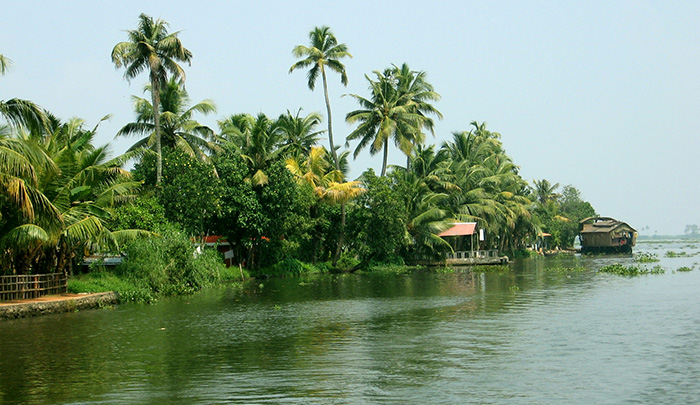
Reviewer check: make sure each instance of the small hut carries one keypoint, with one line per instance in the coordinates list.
(461, 236)
(605, 234)
(464, 238)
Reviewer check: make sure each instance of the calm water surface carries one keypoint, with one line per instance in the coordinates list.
(536, 334)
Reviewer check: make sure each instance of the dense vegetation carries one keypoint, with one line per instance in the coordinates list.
(282, 200)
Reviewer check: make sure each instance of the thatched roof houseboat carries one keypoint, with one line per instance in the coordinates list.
(605, 234)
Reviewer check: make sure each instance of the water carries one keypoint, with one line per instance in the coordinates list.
(531, 335)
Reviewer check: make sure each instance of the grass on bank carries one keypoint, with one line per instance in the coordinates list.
(157, 267)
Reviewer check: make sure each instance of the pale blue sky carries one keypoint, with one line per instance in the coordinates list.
(603, 95)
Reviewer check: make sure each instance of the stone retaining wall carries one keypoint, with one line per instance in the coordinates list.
(57, 305)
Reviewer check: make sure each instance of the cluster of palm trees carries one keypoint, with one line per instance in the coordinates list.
(469, 178)
(59, 191)
(57, 195)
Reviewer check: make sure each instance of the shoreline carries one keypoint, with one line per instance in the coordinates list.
(55, 304)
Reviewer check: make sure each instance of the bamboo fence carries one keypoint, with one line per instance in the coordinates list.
(22, 287)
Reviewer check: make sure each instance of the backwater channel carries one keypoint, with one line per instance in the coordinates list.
(534, 334)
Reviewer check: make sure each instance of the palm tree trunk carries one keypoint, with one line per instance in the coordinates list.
(341, 236)
(386, 157)
(330, 120)
(155, 96)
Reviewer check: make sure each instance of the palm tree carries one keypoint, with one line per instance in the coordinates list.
(397, 109)
(324, 51)
(299, 132)
(545, 191)
(18, 112)
(329, 186)
(58, 191)
(151, 47)
(4, 64)
(426, 185)
(259, 141)
(178, 129)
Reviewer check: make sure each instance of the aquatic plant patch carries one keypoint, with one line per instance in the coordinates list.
(685, 269)
(646, 257)
(501, 268)
(682, 253)
(565, 269)
(622, 270)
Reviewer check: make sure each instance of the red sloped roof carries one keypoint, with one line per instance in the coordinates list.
(214, 239)
(460, 229)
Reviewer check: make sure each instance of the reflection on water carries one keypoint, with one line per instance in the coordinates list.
(538, 333)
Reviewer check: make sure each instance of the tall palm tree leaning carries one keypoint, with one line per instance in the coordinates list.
(151, 47)
(325, 51)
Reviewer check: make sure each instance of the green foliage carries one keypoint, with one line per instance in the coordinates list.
(500, 268)
(189, 192)
(623, 270)
(376, 222)
(346, 262)
(559, 214)
(144, 212)
(685, 269)
(57, 192)
(170, 266)
(264, 223)
(292, 267)
(524, 254)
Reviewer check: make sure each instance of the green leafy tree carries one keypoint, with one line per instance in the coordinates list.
(150, 47)
(189, 191)
(144, 212)
(264, 223)
(323, 52)
(377, 220)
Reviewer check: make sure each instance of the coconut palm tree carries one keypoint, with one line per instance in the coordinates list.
(151, 48)
(397, 109)
(324, 52)
(299, 133)
(258, 140)
(545, 191)
(57, 194)
(178, 128)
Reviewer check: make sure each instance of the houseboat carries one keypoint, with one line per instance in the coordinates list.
(606, 235)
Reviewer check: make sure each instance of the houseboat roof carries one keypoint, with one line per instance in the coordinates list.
(460, 229)
(602, 225)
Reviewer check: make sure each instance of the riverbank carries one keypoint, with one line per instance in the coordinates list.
(54, 304)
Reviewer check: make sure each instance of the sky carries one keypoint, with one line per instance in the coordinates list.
(601, 95)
